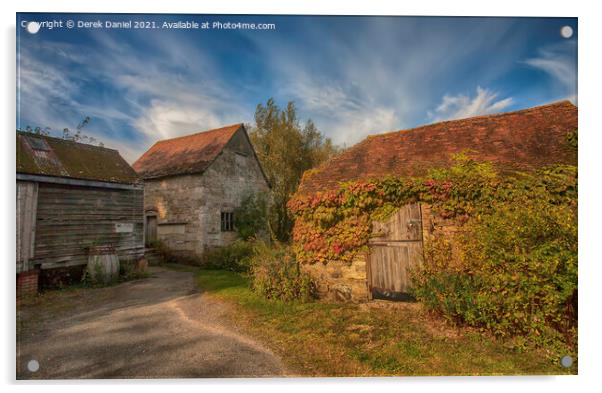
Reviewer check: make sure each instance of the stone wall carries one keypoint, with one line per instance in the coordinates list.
(433, 225)
(347, 282)
(340, 281)
(188, 207)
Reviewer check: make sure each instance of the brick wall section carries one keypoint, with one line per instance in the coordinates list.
(27, 283)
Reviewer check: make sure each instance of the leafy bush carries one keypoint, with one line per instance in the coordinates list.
(233, 257)
(512, 270)
(250, 218)
(275, 274)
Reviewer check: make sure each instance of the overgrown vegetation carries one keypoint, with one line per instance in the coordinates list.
(513, 269)
(67, 134)
(286, 149)
(272, 269)
(275, 274)
(251, 217)
(325, 339)
(233, 257)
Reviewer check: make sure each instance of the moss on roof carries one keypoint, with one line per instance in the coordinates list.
(63, 158)
(520, 140)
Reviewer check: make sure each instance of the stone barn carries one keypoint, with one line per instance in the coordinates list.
(521, 140)
(193, 184)
(71, 197)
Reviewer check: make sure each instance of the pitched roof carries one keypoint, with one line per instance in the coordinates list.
(48, 156)
(184, 155)
(524, 139)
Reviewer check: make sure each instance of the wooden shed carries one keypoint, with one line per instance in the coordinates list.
(70, 197)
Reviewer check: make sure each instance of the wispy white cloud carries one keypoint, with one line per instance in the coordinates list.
(559, 61)
(382, 75)
(158, 102)
(379, 84)
(461, 106)
(347, 114)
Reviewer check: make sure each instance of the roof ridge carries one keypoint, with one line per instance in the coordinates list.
(27, 133)
(489, 116)
(523, 139)
(191, 153)
(199, 132)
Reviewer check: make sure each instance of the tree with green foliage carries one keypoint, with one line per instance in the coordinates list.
(250, 218)
(286, 150)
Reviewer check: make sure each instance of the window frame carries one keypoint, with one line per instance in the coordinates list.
(227, 221)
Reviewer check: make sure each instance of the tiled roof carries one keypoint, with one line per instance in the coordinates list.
(524, 139)
(184, 155)
(48, 156)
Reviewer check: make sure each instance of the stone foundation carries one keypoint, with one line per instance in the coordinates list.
(340, 281)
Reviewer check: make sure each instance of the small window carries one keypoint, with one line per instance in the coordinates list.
(38, 144)
(227, 221)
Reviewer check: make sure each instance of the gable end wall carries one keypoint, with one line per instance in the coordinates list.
(188, 207)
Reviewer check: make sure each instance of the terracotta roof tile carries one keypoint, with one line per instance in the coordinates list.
(525, 139)
(184, 155)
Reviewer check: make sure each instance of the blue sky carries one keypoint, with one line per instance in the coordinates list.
(354, 76)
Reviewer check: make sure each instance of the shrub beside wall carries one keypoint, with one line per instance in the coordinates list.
(275, 274)
(514, 272)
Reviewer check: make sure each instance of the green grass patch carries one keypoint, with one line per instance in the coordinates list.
(327, 339)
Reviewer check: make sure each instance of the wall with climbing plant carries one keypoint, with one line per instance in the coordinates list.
(511, 270)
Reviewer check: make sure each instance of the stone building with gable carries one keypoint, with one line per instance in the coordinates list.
(193, 184)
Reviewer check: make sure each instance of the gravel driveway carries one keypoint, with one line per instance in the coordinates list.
(158, 327)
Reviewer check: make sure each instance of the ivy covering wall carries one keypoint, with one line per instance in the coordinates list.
(512, 269)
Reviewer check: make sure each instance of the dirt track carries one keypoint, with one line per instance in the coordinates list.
(158, 327)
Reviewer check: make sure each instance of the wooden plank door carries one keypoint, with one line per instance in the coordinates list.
(395, 249)
(151, 230)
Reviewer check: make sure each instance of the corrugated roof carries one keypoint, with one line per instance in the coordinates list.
(48, 156)
(523, 139)
(184, 155)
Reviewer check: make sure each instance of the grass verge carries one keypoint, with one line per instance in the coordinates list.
(376, 339)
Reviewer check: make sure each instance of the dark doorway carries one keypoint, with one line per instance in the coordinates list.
(151, 230)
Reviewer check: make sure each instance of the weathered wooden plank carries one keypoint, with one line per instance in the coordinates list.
(398, 285)
(71, 218)
(395, 249)
(26, 207)
(406, 264)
